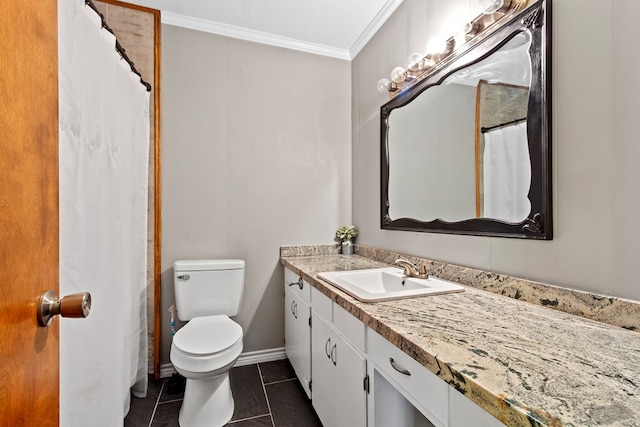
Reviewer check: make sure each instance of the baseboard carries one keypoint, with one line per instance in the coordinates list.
(248, 358)
(166, 370)
(261, 356)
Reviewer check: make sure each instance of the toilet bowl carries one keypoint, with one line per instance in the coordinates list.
(204, 351)
(208, 346)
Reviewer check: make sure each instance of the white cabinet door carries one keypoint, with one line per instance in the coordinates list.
(464, 413)
(321, 369)
(350, 398)
(338, 372)
(297, 336)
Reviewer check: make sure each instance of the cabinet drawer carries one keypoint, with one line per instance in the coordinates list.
(349, 326)
(297, 285)
(425, 389)
(322, 304)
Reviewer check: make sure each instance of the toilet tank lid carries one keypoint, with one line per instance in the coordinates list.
(209, 264)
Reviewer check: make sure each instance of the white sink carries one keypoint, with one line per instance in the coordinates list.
(384, 284)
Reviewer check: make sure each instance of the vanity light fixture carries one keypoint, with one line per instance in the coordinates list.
(440, 49)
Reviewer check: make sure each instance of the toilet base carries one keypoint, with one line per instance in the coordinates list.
(207, 402)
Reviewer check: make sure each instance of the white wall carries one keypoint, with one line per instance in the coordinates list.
(596, 154)
(256, 154)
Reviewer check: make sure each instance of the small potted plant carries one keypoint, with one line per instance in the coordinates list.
(345, 236)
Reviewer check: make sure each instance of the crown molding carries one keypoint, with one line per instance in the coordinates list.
(252, 35)
(382, 16)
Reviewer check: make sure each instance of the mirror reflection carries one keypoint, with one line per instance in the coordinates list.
(459, 150)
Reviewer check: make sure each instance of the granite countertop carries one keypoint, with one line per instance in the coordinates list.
(525, 364)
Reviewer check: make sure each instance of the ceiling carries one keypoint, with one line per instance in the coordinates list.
(336, 28)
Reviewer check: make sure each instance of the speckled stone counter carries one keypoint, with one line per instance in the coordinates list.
(527, 365)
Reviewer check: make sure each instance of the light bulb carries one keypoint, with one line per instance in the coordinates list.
(428, 61)
(384, 85)
(469, 28)
(398, 75)
(490, 6)
(437, 45)
(414, 62)
(467, 32)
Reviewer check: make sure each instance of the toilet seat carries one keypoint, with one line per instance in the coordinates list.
(207, 335)
(206, 344)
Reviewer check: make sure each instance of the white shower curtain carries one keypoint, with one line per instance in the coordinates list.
(507, 173)
(104, 134)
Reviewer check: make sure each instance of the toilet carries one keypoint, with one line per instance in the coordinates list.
(205, 349)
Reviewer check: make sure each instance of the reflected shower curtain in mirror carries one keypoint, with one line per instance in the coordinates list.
(507, 173)
(104, 134)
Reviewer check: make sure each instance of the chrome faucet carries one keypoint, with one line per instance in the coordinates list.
(412, 270)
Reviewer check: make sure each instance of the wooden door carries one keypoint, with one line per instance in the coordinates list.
(29, 354)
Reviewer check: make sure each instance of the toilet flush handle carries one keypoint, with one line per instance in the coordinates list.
(76, 305)
(184, 277)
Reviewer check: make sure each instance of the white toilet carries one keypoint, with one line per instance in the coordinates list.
(207, 347)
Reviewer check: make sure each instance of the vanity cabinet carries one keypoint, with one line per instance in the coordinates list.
(356, 378)
(297, 327)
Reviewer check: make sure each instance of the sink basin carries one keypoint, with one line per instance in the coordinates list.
(388, 283)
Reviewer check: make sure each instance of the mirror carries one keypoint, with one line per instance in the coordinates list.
(466, 149)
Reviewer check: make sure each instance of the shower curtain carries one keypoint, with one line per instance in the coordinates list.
(104, 134)
(507, 173)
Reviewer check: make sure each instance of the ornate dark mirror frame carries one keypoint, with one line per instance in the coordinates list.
(536, 20)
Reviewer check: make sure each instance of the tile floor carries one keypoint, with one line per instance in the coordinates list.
(266, 395)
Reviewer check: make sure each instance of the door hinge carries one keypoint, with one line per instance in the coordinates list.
(310, 386)
(309, 321)
(366, 384)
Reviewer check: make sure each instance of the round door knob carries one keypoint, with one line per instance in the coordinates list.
(76, 305)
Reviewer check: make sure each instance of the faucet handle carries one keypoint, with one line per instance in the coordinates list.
(423, 268)
(422, 273)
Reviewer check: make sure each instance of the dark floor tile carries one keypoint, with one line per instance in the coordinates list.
(290, 406)
(167, 414)
(248, 393)
(253, 422)
(278, 370)
(141, 410)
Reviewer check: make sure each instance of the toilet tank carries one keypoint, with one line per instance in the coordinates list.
(208, 287)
